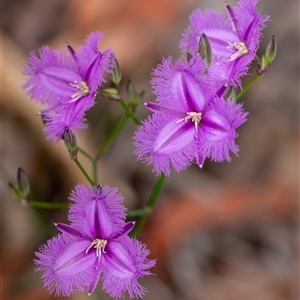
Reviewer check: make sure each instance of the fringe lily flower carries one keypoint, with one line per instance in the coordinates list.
(66, 83)
(188, 122)
(94, 247)
(233, 40)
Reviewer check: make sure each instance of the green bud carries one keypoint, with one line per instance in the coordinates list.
(269, 56)
(134, 98)
(116, 75)
(23, 183)
(71, 144)
(271, 50)
(110, 94)
(205, 49)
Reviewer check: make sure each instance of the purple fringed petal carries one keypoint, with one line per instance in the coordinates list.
(37, 86)
(181, 87)
(106, 201)
(63, 283)
(125, 264)
(57, 80)
(173, 137)
(92, 63)
(68, 117)
(67, 229)
(144, 140)
(218, 133)
(74, 260)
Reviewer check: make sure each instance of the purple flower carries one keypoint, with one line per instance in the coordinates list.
(233, 40)
(94, 247)
(189, 122)
(66, 83)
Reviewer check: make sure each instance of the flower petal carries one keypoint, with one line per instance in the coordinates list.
(74, 259)
(58, 79)
(125, 261)
(64, 281)
(98, 212)
(174, 136)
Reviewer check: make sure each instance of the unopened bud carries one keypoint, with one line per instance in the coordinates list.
(110, 94)
(23, 183)
(271, 50)
(20, 190)
(71, 144)
(205, 49)
(269, 56)
(134, 98)
(116, 75)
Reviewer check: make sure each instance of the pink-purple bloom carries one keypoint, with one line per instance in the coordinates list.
(94, 247)
(233, 40)
(66, 83)
(189, 121)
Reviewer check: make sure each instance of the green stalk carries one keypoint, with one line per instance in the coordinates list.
(84, 153)
(95, 171)
(247, 87)
(150, 204)
(84, 172)
(138, 212)
(112, 135)
(130, 112)
(48, 205)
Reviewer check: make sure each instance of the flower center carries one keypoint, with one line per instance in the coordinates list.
(194, 116)
(82, 89)
(99, 245)
(241, 48)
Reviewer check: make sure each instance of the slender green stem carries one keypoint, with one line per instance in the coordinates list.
(130, 112)
(95, 171)
(138, 212)
(247, 87)
(84, 172)
(112, 135)
(150, 204)
(49, 205)
(84, 153)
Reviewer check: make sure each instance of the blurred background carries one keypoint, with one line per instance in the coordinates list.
(226, 232)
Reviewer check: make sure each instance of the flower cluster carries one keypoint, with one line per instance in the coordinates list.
(66, 83)
(94, 247)
(191, 119)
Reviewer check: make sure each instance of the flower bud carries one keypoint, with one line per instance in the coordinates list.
(116, 73)
(205, 49)
(269, 56)
(20, 190)
(110, 93)
(134, 98)
(71, 144)
(23, 183)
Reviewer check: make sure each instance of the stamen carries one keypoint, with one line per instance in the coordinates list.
(99, 245)
(241, 50)
(195, 117)
(82, 90)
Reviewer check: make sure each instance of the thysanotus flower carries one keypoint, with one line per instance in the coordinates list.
(67, 83)
(94, 247)
(233, 40)
(188, 122)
